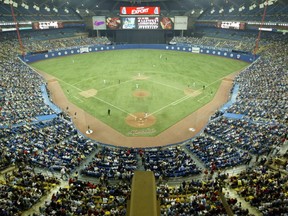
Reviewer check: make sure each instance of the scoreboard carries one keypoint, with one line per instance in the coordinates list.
(231, 25)
(140, 18)
(148, 22)
(139, 23)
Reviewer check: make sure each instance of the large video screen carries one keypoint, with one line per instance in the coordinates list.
(166, 23)
(140, 23)
(113, 23)
(129, 23)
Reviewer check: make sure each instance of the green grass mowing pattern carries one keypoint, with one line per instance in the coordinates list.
(168, 76)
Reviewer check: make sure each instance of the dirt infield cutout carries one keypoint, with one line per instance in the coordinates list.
(140, 120)
(140, 77)
(88, 93)
(192, 92)
(140, 93)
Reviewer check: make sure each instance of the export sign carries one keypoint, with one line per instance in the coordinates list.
(139, 10)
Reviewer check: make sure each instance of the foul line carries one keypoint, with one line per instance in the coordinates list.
(78, 99)
(99, 99)
(185, 98)
(180, 100)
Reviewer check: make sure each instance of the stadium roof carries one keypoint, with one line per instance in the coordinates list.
(97, 5)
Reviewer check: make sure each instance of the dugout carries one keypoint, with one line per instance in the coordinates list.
(143, 200)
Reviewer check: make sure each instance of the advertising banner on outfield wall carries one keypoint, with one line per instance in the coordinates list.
(98, 22)
(195, 50)
(180, 23)
(84, 49)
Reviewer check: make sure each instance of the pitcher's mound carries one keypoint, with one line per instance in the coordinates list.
(140, 120)
(141, 93)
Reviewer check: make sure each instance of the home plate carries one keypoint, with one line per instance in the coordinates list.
(191, 129)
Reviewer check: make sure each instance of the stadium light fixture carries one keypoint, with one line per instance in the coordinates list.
(47, 8)
(15, 4)
(193, 11)
(77, 10)
(231, 9)
(252, 7)
(261, 5)
(201, 11)
(55, 10)
(212, 11)
(87, 11)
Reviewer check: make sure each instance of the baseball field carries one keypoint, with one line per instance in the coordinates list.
(149, 89)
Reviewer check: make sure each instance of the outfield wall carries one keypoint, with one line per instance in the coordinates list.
(181, 48)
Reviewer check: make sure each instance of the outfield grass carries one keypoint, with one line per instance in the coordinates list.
(112, 74)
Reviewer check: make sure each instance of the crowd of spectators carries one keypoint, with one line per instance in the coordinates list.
(52, 144)
(246, 45)
(112, 163)
(169, 162)
(246, 135)
(196, 198)
(86, 198)
(217, 154)
(263, 86)
(264, 189)
(21, 99)
(56, 44)
(22, 189)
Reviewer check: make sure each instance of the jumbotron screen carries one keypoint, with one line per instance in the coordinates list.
(140, 23)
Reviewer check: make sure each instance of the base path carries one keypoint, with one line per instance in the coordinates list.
(103, 133)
